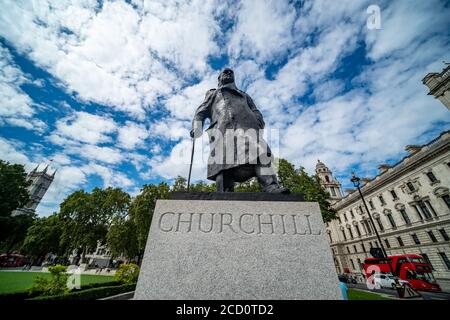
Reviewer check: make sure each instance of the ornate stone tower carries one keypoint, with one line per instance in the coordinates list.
(439, 85)
(328, 182)
(40, 182)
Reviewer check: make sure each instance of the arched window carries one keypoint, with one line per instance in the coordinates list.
(327, 179)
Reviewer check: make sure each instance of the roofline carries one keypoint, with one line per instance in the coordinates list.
(350, 198)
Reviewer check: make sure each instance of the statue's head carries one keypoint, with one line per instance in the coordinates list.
(226, 76)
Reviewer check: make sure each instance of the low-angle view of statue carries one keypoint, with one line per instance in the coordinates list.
(238, 151)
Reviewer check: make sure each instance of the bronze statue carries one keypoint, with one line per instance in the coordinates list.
(234, 136)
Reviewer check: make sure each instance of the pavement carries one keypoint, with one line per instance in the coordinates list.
(393, 294)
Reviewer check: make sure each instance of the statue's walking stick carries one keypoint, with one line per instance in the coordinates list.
(190, 166)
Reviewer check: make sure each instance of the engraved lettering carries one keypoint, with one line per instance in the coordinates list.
(266, 223)
(222, 223)
(184, 221)
(295, 226)
(210, 224)
(240, 223)
(283, 223)
(160, 222)
(309, 226)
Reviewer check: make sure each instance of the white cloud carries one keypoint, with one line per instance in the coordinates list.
(9, 153)
(86, 127)
(132, 135)
(263, 30)
(91, 152)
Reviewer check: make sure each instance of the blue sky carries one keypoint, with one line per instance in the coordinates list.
(107, 89)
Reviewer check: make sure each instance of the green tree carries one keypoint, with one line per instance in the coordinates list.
(43, 237)
(13, 195)
(179, 185)
(86, 217)
(13, 188)
(298, 181)
(141, 211)
(122, 238)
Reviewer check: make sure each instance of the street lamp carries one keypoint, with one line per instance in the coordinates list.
(357, 183)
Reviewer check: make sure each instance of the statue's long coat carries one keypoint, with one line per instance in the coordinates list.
(229, 108)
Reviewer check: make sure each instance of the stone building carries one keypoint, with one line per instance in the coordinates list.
(439, 85)
(328, 181)
(40, 182)
(410, 205)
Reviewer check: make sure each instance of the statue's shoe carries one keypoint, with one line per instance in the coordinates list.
(276, 188)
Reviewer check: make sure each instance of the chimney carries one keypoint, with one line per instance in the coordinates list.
(384, 167)
(412, 149)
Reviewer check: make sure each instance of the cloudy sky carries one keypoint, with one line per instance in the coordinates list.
(107, 89)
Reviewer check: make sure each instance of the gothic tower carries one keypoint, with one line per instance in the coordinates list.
(328, 182)
(40, 182)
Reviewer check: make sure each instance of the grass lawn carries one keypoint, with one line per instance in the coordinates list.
(19, 281)
(354, 294)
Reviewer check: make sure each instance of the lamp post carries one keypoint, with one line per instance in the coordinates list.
(357, 183)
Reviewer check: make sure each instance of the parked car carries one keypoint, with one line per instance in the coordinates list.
(381, 280)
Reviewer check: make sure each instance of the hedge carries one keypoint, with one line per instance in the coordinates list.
(25, 294)
(90, 294)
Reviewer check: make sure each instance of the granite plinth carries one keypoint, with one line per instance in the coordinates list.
(217, 249)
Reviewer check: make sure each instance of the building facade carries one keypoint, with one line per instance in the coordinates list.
(410, 205)
(439, 85)
(40, 182)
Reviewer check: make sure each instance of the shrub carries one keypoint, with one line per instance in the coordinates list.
(127, 273)
(27, 294)
(57, 284)
(90, 294)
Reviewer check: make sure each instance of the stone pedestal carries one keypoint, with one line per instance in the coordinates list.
(237, 249)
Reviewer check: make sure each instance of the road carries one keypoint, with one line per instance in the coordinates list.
(392, 293)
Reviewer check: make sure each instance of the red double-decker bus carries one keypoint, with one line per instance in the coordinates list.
(409, 267)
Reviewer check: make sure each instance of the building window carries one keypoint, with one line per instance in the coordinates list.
(361, 210)
(348, 249)
(380, 197)
(363, 247)
(444, 234)
(380, 225)
(427, 260)
(445, 259)
(424, 209)
(351, 213)
(360, 264)
(405, 216)
(353, 265)
(327, 179)
(339, 218)
(358, 231)
(394, 195)
(329, 236)
(415, 238)
(400, 241)
(431, 176)
(345, 217)
(432, 236)
(446, 199)
(418, 212)
(391, 220)
(410, 186)
(333, 192)
(431, 207)
(343, 234)
(369, 229)
(354, 249)
(376, 244)
(386, 242)
(350, 232)
(373, 207)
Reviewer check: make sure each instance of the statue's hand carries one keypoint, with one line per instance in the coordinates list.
(195, 133)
